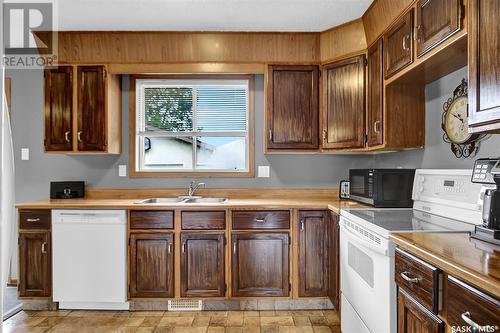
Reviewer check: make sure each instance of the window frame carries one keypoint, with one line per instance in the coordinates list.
(135, 172)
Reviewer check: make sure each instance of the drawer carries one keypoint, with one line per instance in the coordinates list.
(466, 305)
(151, 219)
(261, 219)
(192, 220)
(34, 219)
(419, 279)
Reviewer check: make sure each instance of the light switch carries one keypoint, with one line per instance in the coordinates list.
(122, 170)
(263, 171)
(25, 154)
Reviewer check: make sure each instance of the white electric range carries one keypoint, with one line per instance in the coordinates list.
(444, 201)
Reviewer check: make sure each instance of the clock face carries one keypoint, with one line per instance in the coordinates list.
(456, 121)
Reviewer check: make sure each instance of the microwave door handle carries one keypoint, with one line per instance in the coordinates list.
(364, 243)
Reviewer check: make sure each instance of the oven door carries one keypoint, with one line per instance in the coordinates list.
(366, 280)
(360, 185)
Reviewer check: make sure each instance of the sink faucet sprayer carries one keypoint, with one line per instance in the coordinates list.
(193, 186)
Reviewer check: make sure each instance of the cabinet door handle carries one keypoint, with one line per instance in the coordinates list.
(234, 247)
(36, 219)
(79, 135)
(66, 136)
(466, 317)
(405, 277)
(301, 225)
(270, 135)
(376, 126)
(43, 247)
(169, 248)
(405, 46)
(184, 247)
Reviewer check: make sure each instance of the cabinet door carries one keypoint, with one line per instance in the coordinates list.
(292, 107)
(334, 257)
(414, 318)
(398, 45)
(151, 265)
(313, 253)
(202, 265)
(375, 109)
(58, 108)
(35, 264)
(344, 111)
(436, 21)
(91, 108)
(484, 63)
(260, 264)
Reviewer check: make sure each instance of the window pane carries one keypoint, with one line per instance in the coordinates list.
(221, 153)
(221, 108)
(168, 109)
(168, 153)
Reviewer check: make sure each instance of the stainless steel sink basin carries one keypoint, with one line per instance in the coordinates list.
(206, 200)
(180, 200)
(160, 200)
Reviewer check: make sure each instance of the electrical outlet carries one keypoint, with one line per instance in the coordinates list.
(122, 170)
(263, 171)
(25, 154)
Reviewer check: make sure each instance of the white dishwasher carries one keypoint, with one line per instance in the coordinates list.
(89, 250)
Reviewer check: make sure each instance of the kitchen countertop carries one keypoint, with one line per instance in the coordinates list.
(468, 259)
(264, 203)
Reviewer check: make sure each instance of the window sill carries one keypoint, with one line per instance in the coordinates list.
(201, 174)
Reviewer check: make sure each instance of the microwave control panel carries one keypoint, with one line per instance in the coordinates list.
(481, 173)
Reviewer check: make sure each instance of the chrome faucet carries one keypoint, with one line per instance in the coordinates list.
(193, 186)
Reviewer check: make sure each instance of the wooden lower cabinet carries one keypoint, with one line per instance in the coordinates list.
(151, 265)
(334, 259)
(202, 265)
(414, 318)
(313, 253)
(35, 264)
(260, 264)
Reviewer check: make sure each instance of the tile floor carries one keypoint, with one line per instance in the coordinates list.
(174, 322)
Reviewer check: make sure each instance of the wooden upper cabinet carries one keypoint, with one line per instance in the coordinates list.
(313, 253)
(260, 264)
(91, 108)
(484, 65)
(344, 103)
(35, 264)
(375, 88)
(202, 265)
(292, 107)
(436, 21)
(58, 108)
(398, 45)
(414, 318)
(91, 96)
(151, 265)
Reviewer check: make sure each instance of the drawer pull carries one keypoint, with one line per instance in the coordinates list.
(405, 277)
(466, 317)
(260, 220)
(36, 219)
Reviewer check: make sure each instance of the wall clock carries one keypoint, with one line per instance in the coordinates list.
(455, 124)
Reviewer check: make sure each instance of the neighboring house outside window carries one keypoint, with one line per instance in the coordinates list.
(192, 126)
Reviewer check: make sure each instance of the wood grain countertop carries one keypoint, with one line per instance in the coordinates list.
(257, 203)
(468, 259)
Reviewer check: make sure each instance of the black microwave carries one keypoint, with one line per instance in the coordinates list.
(386, 188)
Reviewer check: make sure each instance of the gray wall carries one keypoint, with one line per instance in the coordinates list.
(33, 176)
(437, 153)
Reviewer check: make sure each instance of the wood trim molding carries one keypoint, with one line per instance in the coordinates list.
(250, 173)
(343, 40)
(8, 93)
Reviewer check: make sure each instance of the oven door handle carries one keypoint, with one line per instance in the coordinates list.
(363, 242)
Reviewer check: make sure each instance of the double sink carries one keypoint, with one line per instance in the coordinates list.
(181, 200)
